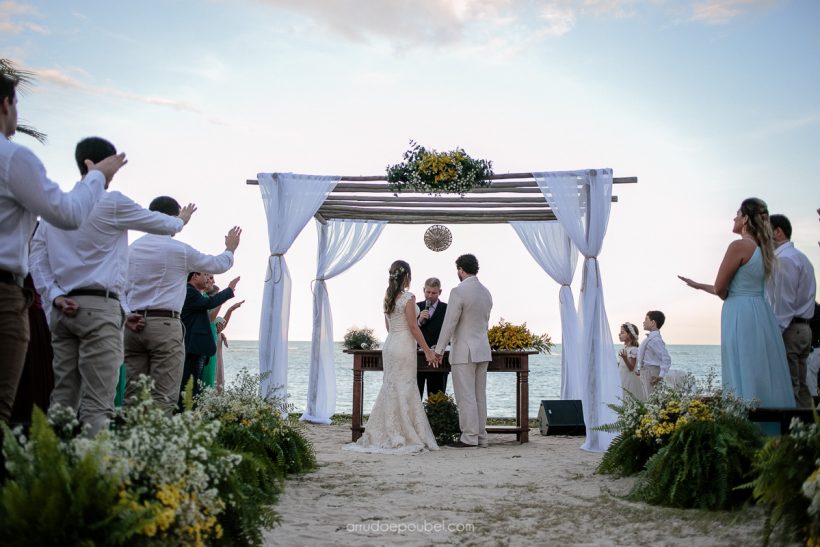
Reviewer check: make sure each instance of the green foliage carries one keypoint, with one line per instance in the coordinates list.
(364, 338)
(786, 484)
(437, 173)
(64, 494)
(702, 465)
(506, 336)
(442, 414)
(271, 447)
(24, 78)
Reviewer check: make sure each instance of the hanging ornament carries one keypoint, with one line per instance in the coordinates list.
(438, 238)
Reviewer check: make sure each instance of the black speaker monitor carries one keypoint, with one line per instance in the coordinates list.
(561, 417)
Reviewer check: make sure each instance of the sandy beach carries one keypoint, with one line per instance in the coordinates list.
(541, 493)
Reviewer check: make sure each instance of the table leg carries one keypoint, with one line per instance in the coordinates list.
(523, 392)
(358, 395)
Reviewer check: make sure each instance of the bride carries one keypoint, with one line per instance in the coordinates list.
(397, 423)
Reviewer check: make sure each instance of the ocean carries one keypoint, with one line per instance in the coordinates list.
(544, 377)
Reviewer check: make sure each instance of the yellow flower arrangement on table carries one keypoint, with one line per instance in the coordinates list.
(508, 337)
(433, 172)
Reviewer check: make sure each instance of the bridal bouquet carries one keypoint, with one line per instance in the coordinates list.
(436, 173)
(506, 336)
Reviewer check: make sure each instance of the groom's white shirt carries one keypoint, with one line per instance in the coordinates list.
(465, 323)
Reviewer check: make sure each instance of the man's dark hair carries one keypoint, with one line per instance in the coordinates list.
(780, 221)
(191, 274)
(165, 204)
(8, 88)
(468, 263)
(657, 316)
(95, 149)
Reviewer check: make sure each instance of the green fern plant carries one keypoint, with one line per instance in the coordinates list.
(782, 467)
(702, 465)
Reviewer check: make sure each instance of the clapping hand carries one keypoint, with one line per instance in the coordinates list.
(186, 212)
(232, 239)
(234, 306)
(233, 283)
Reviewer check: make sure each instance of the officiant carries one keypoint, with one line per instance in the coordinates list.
(431, 317)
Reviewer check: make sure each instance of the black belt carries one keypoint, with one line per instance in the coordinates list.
(94, 292)
(11, 278)
(800, 320)
(158, 313)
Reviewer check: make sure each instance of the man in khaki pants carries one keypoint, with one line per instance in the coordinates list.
(157, 268)
(465, 324)
(83, 274)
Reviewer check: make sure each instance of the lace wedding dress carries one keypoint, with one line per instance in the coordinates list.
(397, 423)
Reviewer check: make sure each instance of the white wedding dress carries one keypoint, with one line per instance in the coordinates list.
(397, 423)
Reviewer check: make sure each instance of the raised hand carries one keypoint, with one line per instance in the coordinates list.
(108, 167)
(234, 306)
(232, 239)
(186, 212)
(233, 283)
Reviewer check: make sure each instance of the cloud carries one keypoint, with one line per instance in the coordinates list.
(720, 11)
(785, 126)
(13, 17)
(66, 80)
(473, 24)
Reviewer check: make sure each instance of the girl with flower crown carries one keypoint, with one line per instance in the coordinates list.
(397, 422)
(627, 361)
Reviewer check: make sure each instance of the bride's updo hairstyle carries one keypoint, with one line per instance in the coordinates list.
(757, 225)
(399, 272)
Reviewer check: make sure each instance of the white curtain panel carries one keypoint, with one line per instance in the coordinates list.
(549, 245)
(290, 201)
(581, 201)
(342, 243)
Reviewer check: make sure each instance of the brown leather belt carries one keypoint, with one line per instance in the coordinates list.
(158, 313)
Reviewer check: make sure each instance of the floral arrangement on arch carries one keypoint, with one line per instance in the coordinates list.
(691, 445)
(436, 173)
(364, 338)
(506, 336)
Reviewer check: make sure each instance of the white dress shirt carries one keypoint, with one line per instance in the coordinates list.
(791, 288)
(96, 255)
(652, 352)
(26, 192)
(158, 268)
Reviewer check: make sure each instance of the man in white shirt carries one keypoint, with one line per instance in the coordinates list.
(653, 356)
(82, 273)
(158, 267)
(25, 193)
(791, 291)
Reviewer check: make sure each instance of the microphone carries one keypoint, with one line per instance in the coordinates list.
(427, 306)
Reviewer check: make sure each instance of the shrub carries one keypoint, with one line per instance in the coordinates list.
(786, 484)
(442, 414)
(356, 338)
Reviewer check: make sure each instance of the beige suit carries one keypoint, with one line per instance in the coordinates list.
(465, 329)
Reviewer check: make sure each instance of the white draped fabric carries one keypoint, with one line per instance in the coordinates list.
(581, 201)
(290, 200)
(342, 243)
(552, 249)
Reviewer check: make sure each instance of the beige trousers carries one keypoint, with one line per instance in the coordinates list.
(87, 359)
(14, 337)
(647, 373)
(470, 386)
(159, 352)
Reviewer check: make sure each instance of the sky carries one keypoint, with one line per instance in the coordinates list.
(707, 102)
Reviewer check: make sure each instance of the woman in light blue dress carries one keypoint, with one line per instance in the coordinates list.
(753, 357)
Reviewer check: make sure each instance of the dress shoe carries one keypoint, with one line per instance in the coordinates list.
(484, 445)
(459, 444)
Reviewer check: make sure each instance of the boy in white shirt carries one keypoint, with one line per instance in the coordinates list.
(653, 357)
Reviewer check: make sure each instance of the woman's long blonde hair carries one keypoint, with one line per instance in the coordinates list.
(398, 273)
(757, 226)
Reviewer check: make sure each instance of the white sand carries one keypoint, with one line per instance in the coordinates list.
(541, 493)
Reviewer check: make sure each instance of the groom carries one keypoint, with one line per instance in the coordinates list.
(465, 323)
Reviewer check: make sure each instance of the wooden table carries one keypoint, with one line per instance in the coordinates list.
(503, 361)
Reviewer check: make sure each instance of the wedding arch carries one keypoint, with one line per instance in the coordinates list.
(555, 214)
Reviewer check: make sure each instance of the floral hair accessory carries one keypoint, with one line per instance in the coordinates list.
(632, 330)
(398, 272)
